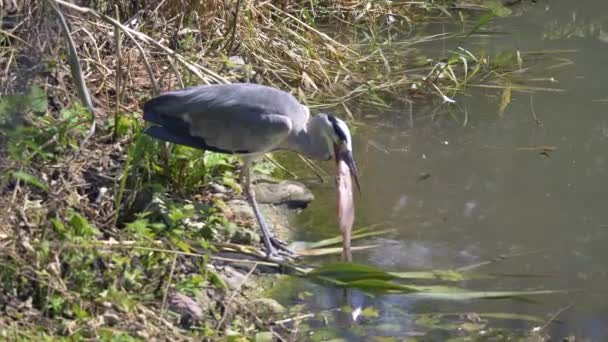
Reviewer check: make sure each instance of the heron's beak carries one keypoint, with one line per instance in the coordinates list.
(346, 155)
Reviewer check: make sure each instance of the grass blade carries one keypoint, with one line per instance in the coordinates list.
(30, 179)
(329, 251)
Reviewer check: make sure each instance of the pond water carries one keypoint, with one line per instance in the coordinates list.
(458, 195)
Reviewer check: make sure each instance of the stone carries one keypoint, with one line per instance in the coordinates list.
(241, 209)
(189, 310)
(110, 318)
(291, 193)
(266, 307)
(233, 278)
(217, 188)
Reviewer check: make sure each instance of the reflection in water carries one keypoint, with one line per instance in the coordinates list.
(417, 254)
(490, 190)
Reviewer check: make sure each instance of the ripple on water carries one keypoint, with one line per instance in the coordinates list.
(421, 254)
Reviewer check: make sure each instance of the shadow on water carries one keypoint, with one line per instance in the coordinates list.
(533, 179)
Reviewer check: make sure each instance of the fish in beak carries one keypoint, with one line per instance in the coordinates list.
(346, 173)
(344, 154)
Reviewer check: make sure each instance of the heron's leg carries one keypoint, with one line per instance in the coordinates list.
(246, 178)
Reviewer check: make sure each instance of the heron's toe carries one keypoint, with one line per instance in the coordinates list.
(282, 247)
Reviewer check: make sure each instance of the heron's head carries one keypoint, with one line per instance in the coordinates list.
(338, 138)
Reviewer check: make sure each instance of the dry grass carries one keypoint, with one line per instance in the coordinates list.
(68, 203)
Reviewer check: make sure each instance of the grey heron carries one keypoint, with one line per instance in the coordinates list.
(249, 120)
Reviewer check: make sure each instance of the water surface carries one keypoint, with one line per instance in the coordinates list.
(462, 194)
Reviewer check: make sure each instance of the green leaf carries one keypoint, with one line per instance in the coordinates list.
(264, 336)
(379, 286)
(443, 275)
(498, 8)
(81, 227)
(58, 225)
(461, 294)
(217, 280)
(55, 303)
(349, 272)
(37, 100)
(370, 312)
(332, 250)
(30, 179)
(483, 21)
(357, 234)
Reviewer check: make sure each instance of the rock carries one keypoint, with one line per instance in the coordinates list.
(218, 189)
(244, 236)
(236, 63)
(233, 278)
(110, 319)
(266, 307)
(189, 310)
(241, 209)
(285, 192)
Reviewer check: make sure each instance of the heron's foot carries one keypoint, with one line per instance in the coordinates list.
(278, 251)
(282, 247)
(276, 255)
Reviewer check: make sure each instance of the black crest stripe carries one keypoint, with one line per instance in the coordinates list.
(337, 129)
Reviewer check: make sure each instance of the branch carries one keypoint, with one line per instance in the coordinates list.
(81, 86)
(230, 42)
(196, 69)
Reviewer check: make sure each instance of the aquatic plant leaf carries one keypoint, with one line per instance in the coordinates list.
(356, 234)
(350, 272)
(493, 315)
(379, 286)
(328, 251)
(471, 327)
(444, 275)
(505, 99)
(498, 8)
(370, 312)
(511, 316)
(483, 21)
(470, 295)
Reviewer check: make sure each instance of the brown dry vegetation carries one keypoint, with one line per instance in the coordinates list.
(66, 203)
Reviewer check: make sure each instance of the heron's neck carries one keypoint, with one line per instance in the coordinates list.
(310, 141)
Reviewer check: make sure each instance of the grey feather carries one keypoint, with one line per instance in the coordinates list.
(231, 117)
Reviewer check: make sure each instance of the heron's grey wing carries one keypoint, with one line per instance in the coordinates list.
(237, 118)
(241, 132)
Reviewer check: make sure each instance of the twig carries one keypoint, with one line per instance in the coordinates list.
(555, 315)
(293, 319)
(194, 68)
(118, 74)
(499, 258)
(277, 164)
(312, 29)
(167, 288)
(176, 71)
(75, 68)
(15, 190)
(312, 166)
(533, 112)
(234, 26)
(155, 87)
(234, 293)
